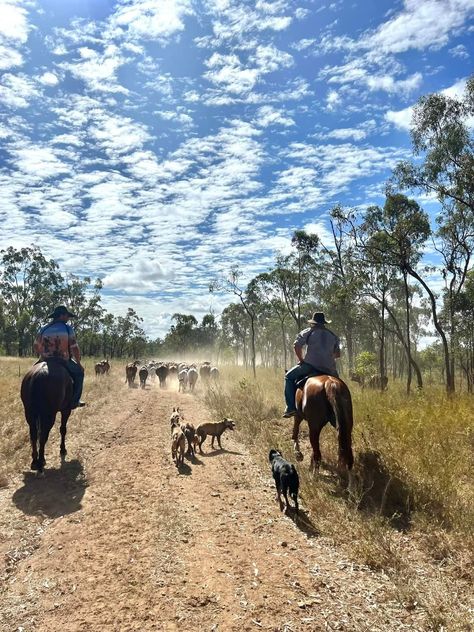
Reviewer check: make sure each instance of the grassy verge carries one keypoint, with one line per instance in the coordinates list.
(408, 509)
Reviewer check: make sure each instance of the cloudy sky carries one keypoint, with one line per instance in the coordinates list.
(155, 143)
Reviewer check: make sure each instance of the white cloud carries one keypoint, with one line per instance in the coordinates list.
(400, 118)
(346, 133)
(40, 162)
(420, 25)
(13, 24)
(16, 91)
(49, 79)
(459, 51)
(389, 84)
(333, 100)
(267, 115)
(149, 19)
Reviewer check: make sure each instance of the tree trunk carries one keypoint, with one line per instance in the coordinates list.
(407, 326)
(252, 328)
(450, 386)
(382, 345)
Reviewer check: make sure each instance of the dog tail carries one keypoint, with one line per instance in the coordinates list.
(339, 398)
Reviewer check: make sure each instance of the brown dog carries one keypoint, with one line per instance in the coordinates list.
(189, 432)
(178, 445)
(214, 429)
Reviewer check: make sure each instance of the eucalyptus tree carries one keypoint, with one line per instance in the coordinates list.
(399, 231)
(266, 288)
(30, 286)
(248, 300)
(443, 143)
(235, 329)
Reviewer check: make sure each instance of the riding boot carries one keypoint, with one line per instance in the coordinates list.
(290, 393)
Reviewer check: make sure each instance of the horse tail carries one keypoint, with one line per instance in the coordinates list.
(339, 399)
(37, 406)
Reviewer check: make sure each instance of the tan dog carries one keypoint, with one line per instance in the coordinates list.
(176, 418)
(178, 445)
(214, 429)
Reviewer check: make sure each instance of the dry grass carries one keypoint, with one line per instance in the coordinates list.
(408, 509)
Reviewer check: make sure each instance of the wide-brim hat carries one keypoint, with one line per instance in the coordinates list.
(319, 319)
(62, 310)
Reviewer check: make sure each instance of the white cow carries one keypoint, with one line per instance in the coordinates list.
(183, 380)
(192, 378)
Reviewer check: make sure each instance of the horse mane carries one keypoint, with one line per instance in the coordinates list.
(339, 399)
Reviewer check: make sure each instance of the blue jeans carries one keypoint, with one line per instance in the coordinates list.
(296, 373)
(77, 375)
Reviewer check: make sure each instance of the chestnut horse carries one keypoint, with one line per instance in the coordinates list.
(325, 398)
(45, 390)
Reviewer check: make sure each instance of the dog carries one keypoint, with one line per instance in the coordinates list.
(190, 433)
(286, 479)
(178, 445)
(176, 418)
(214, 429)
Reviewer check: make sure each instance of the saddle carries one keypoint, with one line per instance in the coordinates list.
(300, 383)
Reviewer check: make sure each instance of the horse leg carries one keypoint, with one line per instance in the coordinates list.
(62, 430)
(295, 436)
(46, 424)
(314, 432)
(33, 440)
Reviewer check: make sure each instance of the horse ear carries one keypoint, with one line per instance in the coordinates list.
(225, 419)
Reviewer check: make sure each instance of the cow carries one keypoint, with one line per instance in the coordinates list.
(192, 378)
(131, 372)
(162, 372)
(183, 380)
(143, 375)
(205, 371)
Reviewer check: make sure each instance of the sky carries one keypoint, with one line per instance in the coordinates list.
(158, 143)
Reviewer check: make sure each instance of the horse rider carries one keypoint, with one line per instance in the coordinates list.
(57, 341)
(322, 349)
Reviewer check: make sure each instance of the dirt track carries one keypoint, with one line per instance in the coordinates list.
(118, 539)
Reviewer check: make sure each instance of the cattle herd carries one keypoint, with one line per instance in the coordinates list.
(186, 375)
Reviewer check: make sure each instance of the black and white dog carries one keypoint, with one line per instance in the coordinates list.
(286, 479)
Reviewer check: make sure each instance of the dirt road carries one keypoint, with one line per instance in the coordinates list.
(117, 539)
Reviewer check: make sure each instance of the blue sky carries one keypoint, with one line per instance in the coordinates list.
(157, 143)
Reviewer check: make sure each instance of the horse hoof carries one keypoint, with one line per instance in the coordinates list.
(40, 474)
(299, 455)
(34, 465)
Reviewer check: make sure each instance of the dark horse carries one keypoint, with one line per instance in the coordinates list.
(319, 400)
(45, 390)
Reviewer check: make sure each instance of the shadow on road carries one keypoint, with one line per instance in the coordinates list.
(58, 493)
(218, 451)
